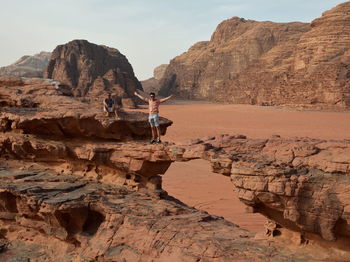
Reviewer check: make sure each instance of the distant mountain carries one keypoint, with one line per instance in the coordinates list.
(267, 63)
(152, 84)
(27, 66)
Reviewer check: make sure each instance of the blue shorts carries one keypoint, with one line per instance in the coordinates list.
(153, 119)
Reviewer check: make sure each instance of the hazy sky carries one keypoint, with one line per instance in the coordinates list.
(148, 32)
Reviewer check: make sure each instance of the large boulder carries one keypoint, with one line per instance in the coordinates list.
(268, 63)
(92, 70)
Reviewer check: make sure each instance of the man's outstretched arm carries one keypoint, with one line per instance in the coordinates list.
(141, 97)
(166, 98)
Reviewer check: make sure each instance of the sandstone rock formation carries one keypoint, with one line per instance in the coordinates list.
(268, 63)
(56, 217)
(152, 84)
(93, 70)
(299, 183)
(73, 191)
(39, 106)
(27, 66)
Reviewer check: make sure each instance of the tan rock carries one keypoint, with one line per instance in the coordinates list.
(92, 70)
(95, 191)
(265, 63)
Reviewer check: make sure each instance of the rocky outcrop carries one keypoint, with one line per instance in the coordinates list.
(267, 63)
(27, 66)
(41, 107)
(93, 70)
(308, 195)
(152, 84)
(73, 191)
(56, 217)
(274, 177)
(299, 183)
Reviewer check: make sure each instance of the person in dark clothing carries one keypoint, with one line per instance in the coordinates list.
(110, 106)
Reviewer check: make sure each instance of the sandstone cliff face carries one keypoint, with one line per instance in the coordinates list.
(268, 63)
(322, 58)
(27, 66)
(152, 84)
(92, 70)
(78, 186)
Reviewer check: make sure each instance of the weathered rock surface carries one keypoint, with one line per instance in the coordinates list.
(92, 70)
(84, 123)
(296, 183)
(40, 107)
(153, 84)
(77, 186)
(267, 63)
(299, 183)
(56, 217)
(27, 66)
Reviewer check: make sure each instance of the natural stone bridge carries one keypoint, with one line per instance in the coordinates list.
(89, 188)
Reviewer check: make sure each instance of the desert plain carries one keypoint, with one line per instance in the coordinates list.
(193, 182)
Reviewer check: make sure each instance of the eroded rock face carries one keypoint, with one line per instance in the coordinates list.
(267, 63)
(299, 183)
(76, 186)
(40, 107)
(57, 217)
(27, 66)
(153, 84)
(92, 70)
(65, 133)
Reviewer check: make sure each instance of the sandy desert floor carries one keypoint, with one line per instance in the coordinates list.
(194, 183)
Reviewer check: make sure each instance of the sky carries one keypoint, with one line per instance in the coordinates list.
(147, 32)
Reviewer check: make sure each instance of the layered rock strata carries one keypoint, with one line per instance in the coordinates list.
(92, 70)
(75, 192)
(305, 194)
(266, 63)
(299, 183)
(36, 106)
(39, 122)
(56, 217)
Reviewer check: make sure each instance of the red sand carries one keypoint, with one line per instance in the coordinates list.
(195, 185)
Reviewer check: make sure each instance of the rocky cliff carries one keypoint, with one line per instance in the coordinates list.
(92, 70)
(153, 84)
(78, 186)
(27, 66)
(268, 63)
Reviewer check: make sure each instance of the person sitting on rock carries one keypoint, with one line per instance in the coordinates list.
(153, 118)
(110, 106)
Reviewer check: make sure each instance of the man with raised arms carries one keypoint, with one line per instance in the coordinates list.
(153, 118)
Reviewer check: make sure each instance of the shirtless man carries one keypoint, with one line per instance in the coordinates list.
(153, 118)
